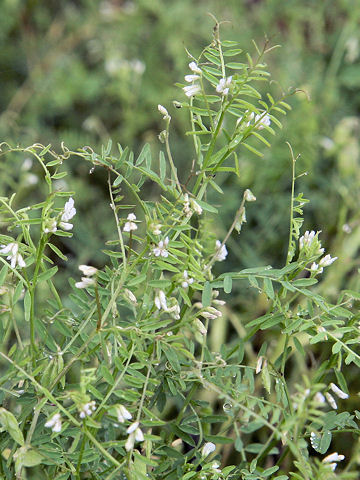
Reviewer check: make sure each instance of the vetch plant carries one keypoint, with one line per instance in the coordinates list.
(125, 378)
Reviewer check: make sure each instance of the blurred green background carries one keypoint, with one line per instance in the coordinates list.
(81, 72)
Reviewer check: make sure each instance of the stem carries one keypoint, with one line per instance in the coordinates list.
(289, 256)
(98, 307)
(171, 161)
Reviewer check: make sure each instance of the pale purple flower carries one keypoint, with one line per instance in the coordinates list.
(122, 413)
(327, 260)
(87, 409)
(194, 68)
(208, 448)
(224, 85)
(192, 90)
(221, 251)
(85, 282)
(88, 270)
(331, 400)
(160, 249)
(130, 225)
(338, 391)
(68, 213)
(186, 280)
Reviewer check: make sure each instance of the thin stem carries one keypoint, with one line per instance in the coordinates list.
(289, 255)
(169, 155)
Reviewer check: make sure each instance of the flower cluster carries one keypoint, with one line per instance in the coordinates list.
(86, 281)
(68, 213)
(191, 206)
(87, 409)
(186, 281)
(130, 225)
(12, 250)
(259, 121)
(51, 224)
(332, 459)
(161, 249)
(54, 423)
(310, 244)
(161, 304)
(194, 88)
(122, 413)
(221, 251)
(135, 435)
(224, 85)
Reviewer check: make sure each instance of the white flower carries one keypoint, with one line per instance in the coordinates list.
(156, 228)
(130, 296)
(122, 413)
(14, 255)
(319, 397)
(315, 268)
(164, 112)
(85, 282)
(87, 409)
(130, 225)
(221, 251)
(333, 457)
(54, 423)
(88, 270)
(262, 121)
(208, 448)
(51, 226)
(307, 240)
(223, 85)
(211, 313)
(187, 210)
(215, 467)
(194, 68)
(160, 301)
(331, 400)
(259, 364)
(192, 90)
(160, 249)
(338, 392)
(196, 207)
(327, 260)
(249, 196)
(191, 78)
(200, 326)
(68, 213)
(187, 281)
(135, 435)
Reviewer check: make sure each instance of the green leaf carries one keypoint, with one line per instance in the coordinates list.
(17, 292)
(136, 280)
(3, 274)
(144, 154)
(105, 372)
(162, 164)
(10, 424)
(268, 288)
(206, 295)
(47, 274)
(57, 251)
(298, 346)
(304, 282)
(27, 305)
